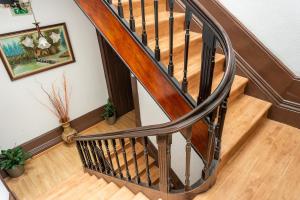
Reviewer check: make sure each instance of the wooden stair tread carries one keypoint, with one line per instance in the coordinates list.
(238, 86)
(163, 24)
(140, 196)
(179, 42)
(141, 166)
(108, 191)
(242, 118)
(64, 186)
(194, 66)
(154, 175)
(124, 193)
(136, 5)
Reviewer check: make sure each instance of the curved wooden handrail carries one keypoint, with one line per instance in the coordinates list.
(214, 102)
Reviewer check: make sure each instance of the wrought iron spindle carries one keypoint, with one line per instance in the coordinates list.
(131, 17)
(156, 50)
(120, 9)
(137, 177)
(80, 151)
(219, 128)
(208, 63)
(87, 155)
(144, 32)
(188, 147)
(99, 157)
(145, 144)
(171, 34)
(117, 158)
(188, 16)
(112, 171)
(106, 168)
(93, 152)
(122, 142)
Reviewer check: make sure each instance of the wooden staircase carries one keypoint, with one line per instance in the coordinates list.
(82, 186)
(244, 112)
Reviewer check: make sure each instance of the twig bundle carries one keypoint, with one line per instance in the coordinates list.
(60, 103)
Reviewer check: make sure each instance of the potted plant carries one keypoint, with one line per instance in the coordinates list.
(109, 113)
(60, 108)
(13, 161)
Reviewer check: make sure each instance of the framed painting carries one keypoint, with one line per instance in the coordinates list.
(23, 54)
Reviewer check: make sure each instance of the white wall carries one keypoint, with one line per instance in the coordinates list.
(4, 194)
(275, 22)
(22, 117)
(152, 114)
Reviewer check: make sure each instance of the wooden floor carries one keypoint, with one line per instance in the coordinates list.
(266, 168)
(57, 164)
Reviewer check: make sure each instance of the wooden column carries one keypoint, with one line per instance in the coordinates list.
(164, 162)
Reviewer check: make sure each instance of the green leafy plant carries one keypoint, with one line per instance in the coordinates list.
(109, 110)
(11, 158)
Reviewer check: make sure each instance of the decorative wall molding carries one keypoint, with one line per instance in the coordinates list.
(269, 78)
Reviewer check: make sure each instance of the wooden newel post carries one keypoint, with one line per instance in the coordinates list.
(164, 162)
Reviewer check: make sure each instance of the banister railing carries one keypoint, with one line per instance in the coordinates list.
(108, 153)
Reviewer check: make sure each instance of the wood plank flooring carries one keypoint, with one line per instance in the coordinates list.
(57, 164)
(266, 168)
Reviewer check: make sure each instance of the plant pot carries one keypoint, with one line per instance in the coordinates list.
(16, 171)
(111, 120)
(69, 133)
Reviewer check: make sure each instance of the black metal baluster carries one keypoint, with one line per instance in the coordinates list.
(99, 157)
(131, 17)
(171, 34)
(106, 168)
(122, 142)
(93, 152)
(137, 177)
(219, 128)
(144, 33)
(120, 9)
(112, 171)
(188, 148)
(117, 158)
(145, 144)
(87, 155)
(156, 50)
(80, 151)
(188, 16)
(208, 63)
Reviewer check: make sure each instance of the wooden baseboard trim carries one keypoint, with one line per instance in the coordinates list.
(53, 137)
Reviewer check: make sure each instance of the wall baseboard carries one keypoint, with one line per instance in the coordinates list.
(53, 137)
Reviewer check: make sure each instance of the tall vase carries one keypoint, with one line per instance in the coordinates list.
(68, 132)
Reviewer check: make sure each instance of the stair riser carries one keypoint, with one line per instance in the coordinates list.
(163, 27)
(137, 11)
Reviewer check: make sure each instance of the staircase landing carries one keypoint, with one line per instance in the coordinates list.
(267, 167)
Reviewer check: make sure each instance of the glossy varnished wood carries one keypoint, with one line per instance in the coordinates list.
(141, 65)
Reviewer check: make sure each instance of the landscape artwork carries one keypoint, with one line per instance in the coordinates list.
(27, 52)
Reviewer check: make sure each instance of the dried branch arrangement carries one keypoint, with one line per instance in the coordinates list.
(59, 101)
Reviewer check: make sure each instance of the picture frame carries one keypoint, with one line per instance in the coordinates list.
(22, 57)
